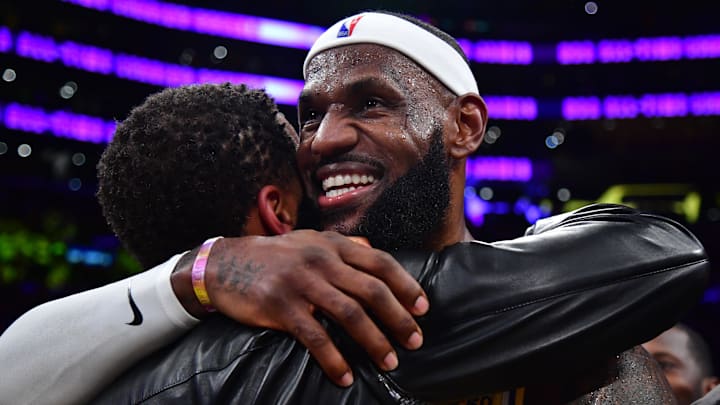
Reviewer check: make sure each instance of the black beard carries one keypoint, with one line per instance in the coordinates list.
(406, 213)
(308, 215)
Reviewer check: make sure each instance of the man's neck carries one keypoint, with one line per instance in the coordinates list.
(448, 237)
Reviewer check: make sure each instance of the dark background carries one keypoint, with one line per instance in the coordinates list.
(54, 241)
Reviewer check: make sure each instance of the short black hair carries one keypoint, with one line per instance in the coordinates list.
(699, 350)
(188, 163)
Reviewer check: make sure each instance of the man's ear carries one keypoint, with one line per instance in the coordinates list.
(277, 214)
(470, 121)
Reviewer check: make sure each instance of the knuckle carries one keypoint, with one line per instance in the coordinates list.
(350, 313)
(406, 324)
(376, 291)
(333, 236)
(314, 339)
(382, 262)
(314, 256)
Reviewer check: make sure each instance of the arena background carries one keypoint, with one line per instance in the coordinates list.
(610, 101)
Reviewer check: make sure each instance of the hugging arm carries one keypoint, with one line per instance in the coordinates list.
(576, 290)
(65, 351)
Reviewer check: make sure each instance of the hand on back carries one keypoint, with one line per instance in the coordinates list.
(279, 282)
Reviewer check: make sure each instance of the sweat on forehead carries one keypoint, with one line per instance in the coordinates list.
(338, 63)
(426, 49)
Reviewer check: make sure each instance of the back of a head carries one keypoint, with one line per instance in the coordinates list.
(187, 164)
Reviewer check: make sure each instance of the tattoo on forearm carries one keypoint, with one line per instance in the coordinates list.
(239, 278)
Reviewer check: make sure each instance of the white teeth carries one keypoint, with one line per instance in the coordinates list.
(350, 180)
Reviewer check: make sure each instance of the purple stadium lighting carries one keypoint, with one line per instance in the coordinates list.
(501, 52)
(6, 40)
(467, 46)
(620, 107)
(511, 108)
(641, 49)
(663, 105)
(704, 46)
(144, 70)
(59, 123)
(646, 105)
(581, 108)
(656, 49)
(575, 52)
(712, 295)
(499, 169)
(150, 71)
(284, 91)
(475, 209)
(615, 51)
(301, 36)
(36, 47)
(705, 103)
(211, 22)
(86, 57)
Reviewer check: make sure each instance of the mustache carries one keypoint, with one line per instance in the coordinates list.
(351, 157)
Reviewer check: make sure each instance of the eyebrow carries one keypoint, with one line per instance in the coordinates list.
(305, 95)
(359, 86)
(369, 83)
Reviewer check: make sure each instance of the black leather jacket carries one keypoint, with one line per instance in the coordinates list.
(577, 289)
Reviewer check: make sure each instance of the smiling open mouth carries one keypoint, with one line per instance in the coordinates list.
(339, 184)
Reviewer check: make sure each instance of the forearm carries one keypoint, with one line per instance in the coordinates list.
(64, 351)
(589, 286)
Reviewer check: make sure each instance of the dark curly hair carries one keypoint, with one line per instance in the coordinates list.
(188, 163)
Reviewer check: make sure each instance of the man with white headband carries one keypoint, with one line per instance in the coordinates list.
(389, 113)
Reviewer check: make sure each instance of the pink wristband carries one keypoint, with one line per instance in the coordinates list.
(198, 274)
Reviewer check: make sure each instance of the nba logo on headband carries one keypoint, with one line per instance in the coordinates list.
(426, 49)
(345, 31)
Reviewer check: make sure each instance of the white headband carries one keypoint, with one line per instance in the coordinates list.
(427, 50)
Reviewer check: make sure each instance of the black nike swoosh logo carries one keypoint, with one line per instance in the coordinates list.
(137, 315)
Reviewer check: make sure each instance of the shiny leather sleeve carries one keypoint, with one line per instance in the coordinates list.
(578, 288)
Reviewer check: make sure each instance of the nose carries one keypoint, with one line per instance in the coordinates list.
(335, 135)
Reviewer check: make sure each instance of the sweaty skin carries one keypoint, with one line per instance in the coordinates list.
(356, 118)
(365, 129)
(360, 114)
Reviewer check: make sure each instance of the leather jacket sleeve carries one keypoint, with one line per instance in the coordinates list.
(577, 289)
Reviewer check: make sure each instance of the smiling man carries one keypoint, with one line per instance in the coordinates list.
(388, 116)
(364, 113)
